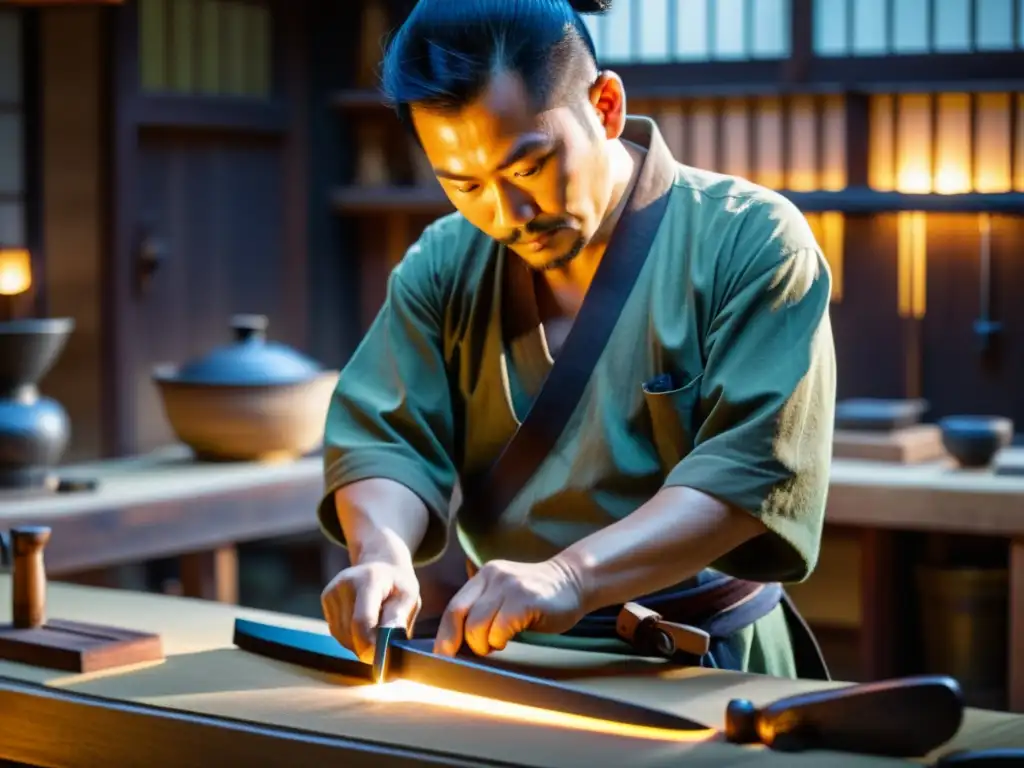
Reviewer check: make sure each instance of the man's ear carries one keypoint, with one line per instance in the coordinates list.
(608, 97)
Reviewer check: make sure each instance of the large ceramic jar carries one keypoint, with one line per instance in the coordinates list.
(34, 429)
(250, 400)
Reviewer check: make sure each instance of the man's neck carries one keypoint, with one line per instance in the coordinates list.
(563, 289)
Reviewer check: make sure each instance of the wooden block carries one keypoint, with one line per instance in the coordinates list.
(909, 445)
(1009, 461)
(72, 646)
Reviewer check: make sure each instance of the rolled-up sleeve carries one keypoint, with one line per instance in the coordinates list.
(391, 413)
(764, 444)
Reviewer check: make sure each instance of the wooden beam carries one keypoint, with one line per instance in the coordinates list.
(211, 575)
(1015, 682)
(195, 113)
(74, 177)
(431, 199)
(858, 139)
(801, 35)
(65, 3)
(878, 654)
(648, 88)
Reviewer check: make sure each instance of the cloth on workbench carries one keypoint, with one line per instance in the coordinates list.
(731, 309)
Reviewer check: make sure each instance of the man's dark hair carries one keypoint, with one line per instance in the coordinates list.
(447, 51)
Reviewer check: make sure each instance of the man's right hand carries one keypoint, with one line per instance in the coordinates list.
(367, 596)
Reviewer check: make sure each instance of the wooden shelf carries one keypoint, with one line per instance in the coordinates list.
(368, 200)
(357, 100)
(362, 100)
(865, 200)
(853, 200)
(643, 86)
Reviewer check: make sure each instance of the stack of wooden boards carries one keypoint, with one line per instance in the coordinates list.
(886, 430)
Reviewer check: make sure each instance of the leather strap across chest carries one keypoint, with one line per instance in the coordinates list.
(488, 495)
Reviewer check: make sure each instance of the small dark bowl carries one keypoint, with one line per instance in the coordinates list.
(974, 440)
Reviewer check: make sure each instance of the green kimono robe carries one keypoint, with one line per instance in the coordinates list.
(732, 303)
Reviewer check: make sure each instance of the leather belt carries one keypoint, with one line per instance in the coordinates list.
(682, 622)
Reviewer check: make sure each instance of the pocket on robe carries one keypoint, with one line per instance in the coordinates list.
(673, 415)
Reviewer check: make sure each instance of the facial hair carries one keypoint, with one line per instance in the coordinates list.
(561, 261)
(545, 227)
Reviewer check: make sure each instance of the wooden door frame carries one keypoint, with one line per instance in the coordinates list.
(285, 116)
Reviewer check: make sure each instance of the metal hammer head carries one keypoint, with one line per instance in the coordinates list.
(382, 652)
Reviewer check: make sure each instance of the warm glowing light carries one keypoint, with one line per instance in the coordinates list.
(803, 145)
(768, 169)
(408, 692)
(952, 180)
(992, 146)
(829, 231)
(882, 152)
(15, 271)
(912, 263)
(913, 180)
(952, 145)
(923, 144)
(672, 122)
(914, 144)
(703, 132)
(735, 137)
(833, 137)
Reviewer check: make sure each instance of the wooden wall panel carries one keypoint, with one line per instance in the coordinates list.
(218, 203)
(867, 329)
(74, 175)
(958, 376)
(383, 241)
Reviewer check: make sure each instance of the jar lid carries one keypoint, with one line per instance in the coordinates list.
(251, 360)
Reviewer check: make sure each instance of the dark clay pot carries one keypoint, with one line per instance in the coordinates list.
(974, 440)
(34, 430)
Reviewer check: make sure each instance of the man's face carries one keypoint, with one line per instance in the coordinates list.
(537, 182)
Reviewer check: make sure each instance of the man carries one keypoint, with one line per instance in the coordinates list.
(695, 460)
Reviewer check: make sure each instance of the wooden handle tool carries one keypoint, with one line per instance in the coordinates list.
(907, 717)
(29, 580)
(649, 633)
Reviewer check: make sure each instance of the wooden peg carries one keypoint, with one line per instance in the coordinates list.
(29, 579)
(647, 631)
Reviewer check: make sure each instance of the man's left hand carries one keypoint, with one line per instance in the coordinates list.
(506, 598)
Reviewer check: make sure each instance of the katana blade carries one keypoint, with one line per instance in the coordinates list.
(906, 717)
(412, 661)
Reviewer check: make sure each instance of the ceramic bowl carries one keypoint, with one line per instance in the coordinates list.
(266, 423)
(974, 440)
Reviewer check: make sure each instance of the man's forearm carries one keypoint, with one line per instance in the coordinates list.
(381, 519)
(669, 539)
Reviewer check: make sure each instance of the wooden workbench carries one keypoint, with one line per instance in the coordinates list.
(164, 504)
(139, 711)
(881, 498)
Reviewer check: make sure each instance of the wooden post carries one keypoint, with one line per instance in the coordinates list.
(1015, 683)
(211, 575)
(878, 630)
